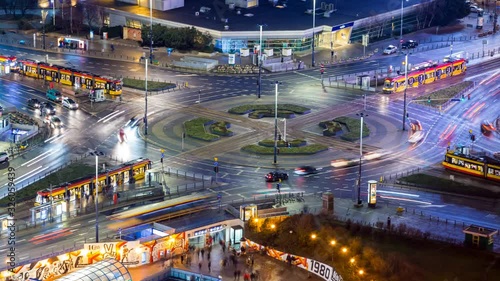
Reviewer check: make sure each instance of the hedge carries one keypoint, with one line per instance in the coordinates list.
(352, 125)
(258, 114)
(308, 150)
(442, 96)
(247, 108)
(330, 128)
(152, 85)
(221, 129)
(282, 143)
(195, 128)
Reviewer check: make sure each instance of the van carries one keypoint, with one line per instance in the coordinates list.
(54, 95)
(4, 157)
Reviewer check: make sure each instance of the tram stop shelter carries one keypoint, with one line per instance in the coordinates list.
(480, 237)
(105, 270)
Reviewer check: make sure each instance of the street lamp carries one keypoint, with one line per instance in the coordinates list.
(95, 199)
(150, 31)
(44, 17)
(260, 60)
(362, 115)
(276, 121)
(146, 100)
(401, 28)
(53, 12)
(404, 94)
(314, 26)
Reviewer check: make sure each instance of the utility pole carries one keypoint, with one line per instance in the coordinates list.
(151, 30)
(95, 199)
(406, 86)
(259, 61)
(146, 101)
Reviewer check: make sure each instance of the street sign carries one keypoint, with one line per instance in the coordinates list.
(365, 38)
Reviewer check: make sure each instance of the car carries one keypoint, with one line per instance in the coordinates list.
(487, 127)
(276, 176)
(474, 8)
(48, 108)
(305, 170)
(53, 122)
(69, 103)
(410, 44)
(4, 157)
(54, 95)
(34, 103)
(390, 50)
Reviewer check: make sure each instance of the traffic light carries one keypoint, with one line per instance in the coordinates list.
(429, 99)
(468, 96)
(463, 97)
(161, 160)
(216, 169)
(473, 137)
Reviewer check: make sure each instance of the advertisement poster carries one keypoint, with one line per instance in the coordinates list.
(322, 270)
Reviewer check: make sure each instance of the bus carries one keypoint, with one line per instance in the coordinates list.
(479, 166)
(162, 210)
(69, 76)
(424, 75)
(127, 172)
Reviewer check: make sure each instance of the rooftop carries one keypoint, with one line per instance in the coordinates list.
(293, 16)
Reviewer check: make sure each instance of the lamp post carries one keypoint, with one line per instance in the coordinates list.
(314, 26)
(95, 199)
(276, 122)
(362, 115)
(404, 94)
(44, 17)
(150, 31)
(260, 60)
(401, 28)
(53, 12)
(146, 100)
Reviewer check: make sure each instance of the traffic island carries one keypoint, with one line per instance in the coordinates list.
(346, 127)
(258, 111)
(153, 86)
(197, 129)
(294, 147)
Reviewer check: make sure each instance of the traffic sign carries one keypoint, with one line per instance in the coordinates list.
(162, 155)
(219, 196)
(216, 163)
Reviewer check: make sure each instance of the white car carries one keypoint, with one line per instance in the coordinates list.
(390, 50)
(69, 103)
(4, 157)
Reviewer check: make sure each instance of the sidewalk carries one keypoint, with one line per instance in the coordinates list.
(269, 269)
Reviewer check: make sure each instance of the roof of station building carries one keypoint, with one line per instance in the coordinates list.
(291, 17)
(105, 270)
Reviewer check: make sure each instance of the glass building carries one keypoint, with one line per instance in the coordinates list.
(105, 270)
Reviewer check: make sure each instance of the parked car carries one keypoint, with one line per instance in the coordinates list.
(390, 50)
(410, 44)
(34, 103)
(69, 103)
(4, 157)
(48, 108)
(305, 170)
(276, 176)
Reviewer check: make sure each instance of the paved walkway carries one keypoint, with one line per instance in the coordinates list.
(269, 269)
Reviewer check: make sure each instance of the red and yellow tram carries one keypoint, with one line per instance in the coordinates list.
(484, 166)
(126, 172)
(424, 75)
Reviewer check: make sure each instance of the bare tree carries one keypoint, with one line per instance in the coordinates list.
(91, 15)
(24, 5)
(101, 17)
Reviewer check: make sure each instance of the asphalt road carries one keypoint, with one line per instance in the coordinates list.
(84, 132)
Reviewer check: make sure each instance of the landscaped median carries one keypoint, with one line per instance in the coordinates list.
(153, 86)
(442, 96)
(446, 185)
(295, 147)
(195, 128)
(352, 125)
(258, 111)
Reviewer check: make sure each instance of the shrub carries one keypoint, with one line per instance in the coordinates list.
(305, 150)
(353, 126)
(247, 108)
(442, 96)
(330, 128)
(221, 129)
(195, 128)
(282, 143)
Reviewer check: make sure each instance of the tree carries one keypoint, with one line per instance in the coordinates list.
(91, 15)
(100, 17)
(24, 5)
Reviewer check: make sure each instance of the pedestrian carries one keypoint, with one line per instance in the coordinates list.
(239, 274)
(202, 253)
(252, 260)
(199, 265)
(235, 274)
(182, 258)
(246, 276)
(208, 255)
(209, 265)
